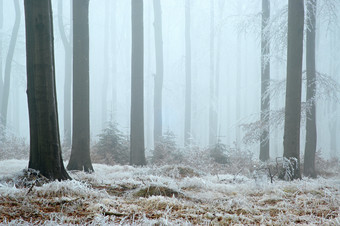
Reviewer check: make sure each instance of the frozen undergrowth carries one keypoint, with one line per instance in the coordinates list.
(185, 197)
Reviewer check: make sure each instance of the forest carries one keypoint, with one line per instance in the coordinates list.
(169, 112)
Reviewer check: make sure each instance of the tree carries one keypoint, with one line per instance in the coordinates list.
(187, 113)
(8, 65)
(213, 97)
(291, 140)
(45, 149)
(265, 79)
(1, 36)
(68, 75)
(80, 154)
(311, 135)
(137, 152)
(106, 63)
(159, 71)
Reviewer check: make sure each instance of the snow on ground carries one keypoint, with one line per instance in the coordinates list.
(168, 195)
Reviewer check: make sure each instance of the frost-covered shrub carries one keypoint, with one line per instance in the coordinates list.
(166, 150)
(287, 170)
(12, 147)
(219, 153)
(112, 147)
(326, 167)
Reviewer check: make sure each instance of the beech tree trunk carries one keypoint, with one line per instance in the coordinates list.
(158, 96)
(106, 64)
(291, 140)
(8, 65)
(114, 60)
(265, 80)
(80, 154)
(311, 136)
(213, 98)
(187, 114)
(68, 75)
(1, 49)
(45, 149)
(137, 148)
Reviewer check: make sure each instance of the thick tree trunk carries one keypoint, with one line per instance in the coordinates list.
(159, 71)
(80, 153)
(68, 76)
(8, 65)
(45, 150)
(187, 113)
(137, 152)
(212, 89)
(291, 141)
(265, 79)
(311, 136)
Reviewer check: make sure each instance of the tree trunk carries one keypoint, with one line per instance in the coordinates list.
(80, 154)
(187, 117)
(68, 76)
(238, 82)
(114, 61)
(45, 149)
(137, 152)
(159, 71)
(265, 80)
(291, 141)
(106, 64)
(8, 65)
(221, 5)
(311, 136)
(213, 102)
(1, 49)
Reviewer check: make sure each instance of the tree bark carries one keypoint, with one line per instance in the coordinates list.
(106, 64)
(45, 149)
(187, 117)
(291, 140)
(265, 80)
(80, 154)
(137, 152)
(8, 65)
(114, 61)
(212, 89)
(1, 49)
(159, 72)
(68, 76)
(311, 135)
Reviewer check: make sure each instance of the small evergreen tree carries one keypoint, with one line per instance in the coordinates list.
(112, 146)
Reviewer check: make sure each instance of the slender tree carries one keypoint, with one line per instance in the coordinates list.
(265, 79)
(114, 59)
(221, 4)
(45, 149)
(187, 113)
(1, 36)
(291, 141)
(311, 136)
(137, 152)
(212, 90)
(106, 63)
(80, 153)
(8, 65)
(159, 71)
(68, 75)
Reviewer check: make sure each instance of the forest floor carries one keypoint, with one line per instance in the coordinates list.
(167, 195)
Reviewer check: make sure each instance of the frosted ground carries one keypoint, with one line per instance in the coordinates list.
(167, 195)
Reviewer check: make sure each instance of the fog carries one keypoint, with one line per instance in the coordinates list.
(237, 63)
